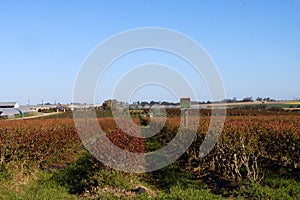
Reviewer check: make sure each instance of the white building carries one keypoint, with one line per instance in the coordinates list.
(9, 105)
(11, 109)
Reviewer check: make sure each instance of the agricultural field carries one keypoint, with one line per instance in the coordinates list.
(257, 157)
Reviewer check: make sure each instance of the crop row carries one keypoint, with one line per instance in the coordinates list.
(245, 147)
(37, 141)
(44, 142)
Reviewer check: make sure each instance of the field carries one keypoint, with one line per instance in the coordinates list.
(257, 157)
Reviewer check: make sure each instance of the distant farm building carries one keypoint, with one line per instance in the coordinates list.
(9, 105)
(48, 108)
(12, 109)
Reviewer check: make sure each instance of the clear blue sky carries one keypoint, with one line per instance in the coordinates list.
(254, 44)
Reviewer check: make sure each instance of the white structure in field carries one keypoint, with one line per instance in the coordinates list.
(9, 105)
(11, 109)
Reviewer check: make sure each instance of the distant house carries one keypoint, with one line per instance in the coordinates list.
(9, 105)
(79, 106)
(9, 112)
(11, 109)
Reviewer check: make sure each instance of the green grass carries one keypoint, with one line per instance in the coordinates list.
(273, 186)
(89, 177)
(40, 188)
(176, 183)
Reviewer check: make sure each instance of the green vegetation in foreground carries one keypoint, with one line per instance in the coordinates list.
(88, 179)
(42, 187)
(271, 187)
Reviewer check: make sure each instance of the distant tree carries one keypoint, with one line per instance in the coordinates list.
(104, 105)
(165, 103)
(154, 102)
(143, 103)
(107, 104)
(259, 99)
(227, 101)
(247, 99)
